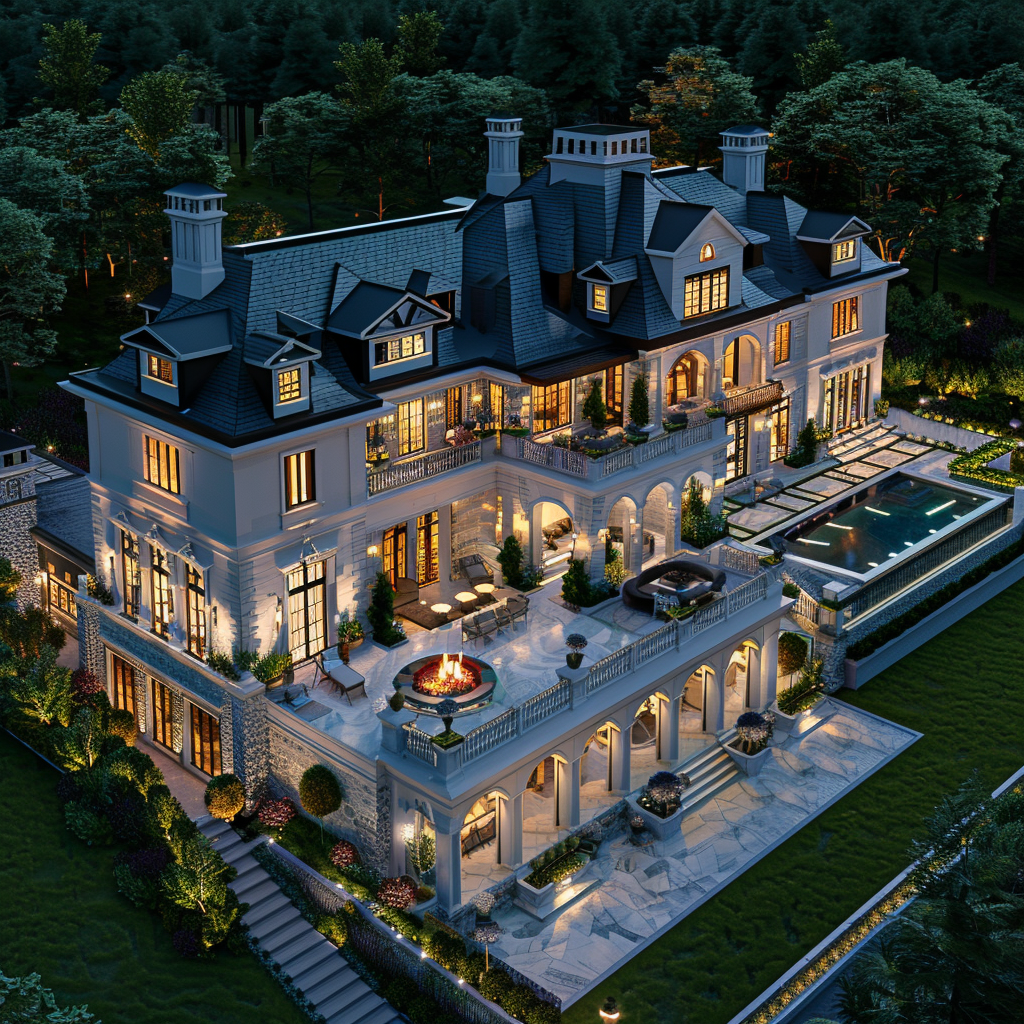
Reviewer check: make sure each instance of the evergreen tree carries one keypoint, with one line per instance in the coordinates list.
(663, 26)
(824, 57)
(307, 59)
(495, 45)
(594, 408)
(464, 22)
(886, 31)
(68, 68)
(418, 36)
(199, 77)
(771, 32)
(639, 403)
(159, 104)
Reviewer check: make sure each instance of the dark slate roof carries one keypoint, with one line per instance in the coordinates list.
(601, 129)
(265, 349)
(11, 442)
(674, 224)
(195, 190)
(363, 307)
(746, 129)
(186, 336)
(156, 299)
(818, 224)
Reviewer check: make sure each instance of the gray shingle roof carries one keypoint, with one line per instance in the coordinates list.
(674, 224)
(186, 336)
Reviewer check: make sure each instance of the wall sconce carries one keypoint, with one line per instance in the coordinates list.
(632, 520)
(477, 399)
(41, 578)
(278, 613)
(602, 534)
(372, 550)
(408, 833)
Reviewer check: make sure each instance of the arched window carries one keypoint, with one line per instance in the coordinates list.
(707, 252)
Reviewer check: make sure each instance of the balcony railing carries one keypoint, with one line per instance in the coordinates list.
(561, 460)
(757, 397)
(388, 477)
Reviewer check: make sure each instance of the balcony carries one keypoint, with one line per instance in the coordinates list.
(389, 476)
(548, 455)
(755, 396)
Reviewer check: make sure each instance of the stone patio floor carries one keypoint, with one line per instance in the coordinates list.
(646, 890)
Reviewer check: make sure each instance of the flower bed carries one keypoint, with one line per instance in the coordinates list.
(973, 467)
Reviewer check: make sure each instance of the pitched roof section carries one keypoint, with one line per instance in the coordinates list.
(372, 309)
(185, 337)
(675, 223)
(266, 349)
(818, 226)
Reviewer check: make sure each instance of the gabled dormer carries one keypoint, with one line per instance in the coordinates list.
(176, 356)
(281, 369)
(394, 330)
(833, 241)
(607, 284)
(697, 257)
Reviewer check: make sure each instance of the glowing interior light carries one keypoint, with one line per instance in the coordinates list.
(877, 511)
(819, 543)
(939, 508)
(839, 526)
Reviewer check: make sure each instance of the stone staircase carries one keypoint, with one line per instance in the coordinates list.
(313, 964)
(710, 772)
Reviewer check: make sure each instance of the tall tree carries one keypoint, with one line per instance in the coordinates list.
(699, 98)
(30, 291)
(418, 36)
(69, 67)
(307, 58)
(567, 49)
(824, 57)
(771, 31)
(923, 157)
(663, 26)
(496, 43)
(200, 78)
(304, 141)
(160, 105)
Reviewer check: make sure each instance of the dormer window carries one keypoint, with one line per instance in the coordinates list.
(707, 252)
(599, 298)
(395, 349)
(160, 369)
(289, 385)
(843, 251)
(706, 293)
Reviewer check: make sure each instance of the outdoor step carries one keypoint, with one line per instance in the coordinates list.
(285, 932)
(269, 925)
(709, 785)
(381, 1015)
(354, 1008)
(226, 841)
(302, 946)
(314, 953)
(260, 910)
(310, 977)
(699, 770)
(242, 864)
(345, 982)
(257, 891)
(247, 874)
(214, 827)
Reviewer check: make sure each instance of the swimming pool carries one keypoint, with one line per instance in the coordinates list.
(870, 529)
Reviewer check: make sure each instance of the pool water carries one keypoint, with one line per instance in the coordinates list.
(875, 525)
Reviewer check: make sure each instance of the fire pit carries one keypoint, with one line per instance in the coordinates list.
(428, 681)
(447, 677)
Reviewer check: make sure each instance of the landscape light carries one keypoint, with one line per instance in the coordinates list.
(877, 511)
(939, 508)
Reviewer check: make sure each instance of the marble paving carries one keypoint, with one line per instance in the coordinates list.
(860, 470)
(911, 447)
(646, 890)
(791, 501)
(887, 458)
(824, 486)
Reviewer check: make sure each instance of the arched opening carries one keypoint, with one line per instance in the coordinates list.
(742, 681)
(659, 520)
(420, 854)
(649, 744)
(597, 771)
(687, 382)
(483, 844)
(545, 805)
(554, 538)
(741, 366)
(697, 710)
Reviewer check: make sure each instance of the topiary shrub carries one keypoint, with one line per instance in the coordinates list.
(576, 584)
(319, 793)
(793, 650)
(510, 558)
(381, 612)
(344, 854)
(225, 796)
(396, 701)
(121, 723)
(397, 893)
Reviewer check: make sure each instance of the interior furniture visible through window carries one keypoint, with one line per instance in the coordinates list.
(299, 479)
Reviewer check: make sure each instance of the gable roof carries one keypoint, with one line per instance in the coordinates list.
(266, 349)
(371, 309)
(819, 226)
(186, 337)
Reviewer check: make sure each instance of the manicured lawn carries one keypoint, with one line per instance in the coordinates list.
(61, 915)
(964, 692)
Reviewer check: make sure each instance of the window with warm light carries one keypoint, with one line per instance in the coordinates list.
(162, 464)
(299, 480)
(410, 427)
(396, 349)
(160, 369)
(195, 611)
(160, 579)
(845, 317)
(707, 292)
(599, 298)
(843, 251)
(707, 252)
(782, 342)
(289, 385)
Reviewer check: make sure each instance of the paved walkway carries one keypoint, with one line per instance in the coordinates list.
(644, 892)
(189, 789)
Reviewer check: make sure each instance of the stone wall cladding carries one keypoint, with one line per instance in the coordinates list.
(90, 641)
(249, 742)
(356, 819)
(19, 547)
(474, 521)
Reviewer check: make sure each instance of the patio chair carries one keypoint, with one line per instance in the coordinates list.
(518, 608)
(503, 617)
(359, 686)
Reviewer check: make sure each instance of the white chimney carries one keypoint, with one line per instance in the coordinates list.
(503, 135)
(743, 157)
(195, 212)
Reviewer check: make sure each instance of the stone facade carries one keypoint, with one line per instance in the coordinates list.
(17, 517)
(249, 757)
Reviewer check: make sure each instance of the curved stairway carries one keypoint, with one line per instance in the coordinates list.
(313, 964)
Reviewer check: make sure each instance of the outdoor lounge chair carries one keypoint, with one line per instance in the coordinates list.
(475, 569)
(358, 686)
(503, 617)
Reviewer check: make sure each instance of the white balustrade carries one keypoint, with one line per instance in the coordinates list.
(422, 467)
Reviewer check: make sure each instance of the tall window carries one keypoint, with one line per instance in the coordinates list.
(704, 293)
(306, 600)
(159, 369)
(843, 251)
(60, 593)
(289, 385)
(205, 742)
(599, 298)
(427, 566)
(122, 684)
(410, 427)
(780, 430)
(130, 574)
(162, 465)
(452, 408)
(195, 610)
(163, 715)
(613, 394)
(161, 580)
(299, 480)
(552, 406)
(394, 349)
(782, 343)
(845, 317)
(496, 394)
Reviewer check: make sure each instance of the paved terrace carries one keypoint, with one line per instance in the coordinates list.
(525, 660)
(644, 891)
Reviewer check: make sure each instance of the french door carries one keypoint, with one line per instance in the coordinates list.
(427, 569)
(306, 610)
(736, 453)
(393, 553)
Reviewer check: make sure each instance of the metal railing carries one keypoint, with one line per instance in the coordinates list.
(755, 397)
(738, 559)
(387, 478)
(421, 745)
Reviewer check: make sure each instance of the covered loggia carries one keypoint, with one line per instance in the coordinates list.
(487, 843)
(688, 382)
(552, 537)
(742, 680)
(660, 520)
(600, 770)
(623, 535)
(651, 749)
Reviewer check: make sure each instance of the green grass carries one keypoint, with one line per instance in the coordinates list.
(63, 917)
(963, 692)
(966, 274)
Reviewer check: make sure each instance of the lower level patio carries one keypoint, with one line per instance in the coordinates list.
(645, 890)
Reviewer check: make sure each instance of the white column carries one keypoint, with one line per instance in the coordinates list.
(753, 674)
(569, 793)
(670, 749)
(513, 842)
(714, 701)
(656, 389)
(620, 760)
(449, 869)
(770, 667)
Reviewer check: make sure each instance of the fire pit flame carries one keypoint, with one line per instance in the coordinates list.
(445, 676)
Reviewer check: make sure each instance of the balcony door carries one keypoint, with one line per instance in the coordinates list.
(427, 568)
(306, 610)
(394, 554)
(736, 453)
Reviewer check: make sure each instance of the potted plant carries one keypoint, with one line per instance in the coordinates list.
(594, 408)
(752, 745)
(795, 704)
(639, 408)
(269, 669)
(575, 642)
(658, 807)
(350, 634)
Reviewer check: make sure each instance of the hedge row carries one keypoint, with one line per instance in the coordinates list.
(973, 467)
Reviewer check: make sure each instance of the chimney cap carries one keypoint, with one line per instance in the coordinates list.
(746, 129)
(195, 190)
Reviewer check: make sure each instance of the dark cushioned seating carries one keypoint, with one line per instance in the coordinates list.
(635, 597)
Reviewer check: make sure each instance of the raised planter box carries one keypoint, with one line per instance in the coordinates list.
(793, 725)
(749, 764)
(541, 903)
(662, 828)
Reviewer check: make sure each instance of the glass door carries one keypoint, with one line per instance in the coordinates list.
(736, 453)
(427, 569)
(780, 430)
(613, 395)
(394, 554)
(306, 610)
